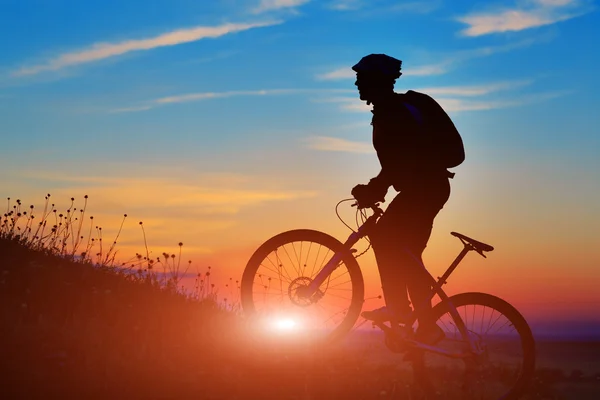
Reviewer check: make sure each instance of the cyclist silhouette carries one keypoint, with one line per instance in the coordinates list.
(401, 234)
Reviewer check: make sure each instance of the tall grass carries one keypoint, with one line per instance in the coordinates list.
(73, 236)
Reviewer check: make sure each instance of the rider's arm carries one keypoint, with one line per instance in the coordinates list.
(382, 181)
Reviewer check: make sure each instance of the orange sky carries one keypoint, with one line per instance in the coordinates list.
(545, 263)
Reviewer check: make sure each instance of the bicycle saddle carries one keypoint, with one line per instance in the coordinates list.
(477, 245)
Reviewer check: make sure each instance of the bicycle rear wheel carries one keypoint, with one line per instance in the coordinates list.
(288, 262)
(503, 368)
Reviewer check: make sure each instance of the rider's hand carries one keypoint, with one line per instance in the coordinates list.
(367, 195)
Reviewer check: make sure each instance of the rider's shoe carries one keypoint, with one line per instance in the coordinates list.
(430, 335)
(384, 314)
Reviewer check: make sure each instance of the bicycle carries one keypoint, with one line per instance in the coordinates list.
(464, 363)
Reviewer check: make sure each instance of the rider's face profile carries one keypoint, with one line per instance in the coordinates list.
(370, 85)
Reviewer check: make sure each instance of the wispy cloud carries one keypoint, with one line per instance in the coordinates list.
(200, 96)
(327, 143)
(532, 14)
(185, 98)
(555, 3)
(339, 73)
(463, 98)
(200, 209)
(101, 51)
(486, 51)
(205, 194)
(426, 70)
(345, 5)
(355, 105)
(473, 90)
(370, 7)
(130, 109)
(346, 103)
(439, 68)
(416, 7)
(348, 73)
(271, 5)
(457, 104)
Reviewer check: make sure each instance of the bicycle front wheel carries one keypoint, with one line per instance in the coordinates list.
(503, 363)
(277, 272)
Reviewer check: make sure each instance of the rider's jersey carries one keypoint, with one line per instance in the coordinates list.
(401, 146)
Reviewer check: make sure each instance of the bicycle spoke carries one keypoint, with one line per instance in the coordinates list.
(298, 256)
(338, 289)
(277, 278)
(339, 284)
(292, 262)
(499, 316)
(337, 277)
(339, 297)
(322, 262)
(482, 318)
(307, 257)
(312, 273)
(490, 320)
(507, 323)
(446, 326)
(329, 312)
(278, 266)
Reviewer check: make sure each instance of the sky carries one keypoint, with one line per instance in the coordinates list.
(220, 124)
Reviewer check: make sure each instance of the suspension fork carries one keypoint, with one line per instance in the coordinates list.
(347, 250)
(332, 264)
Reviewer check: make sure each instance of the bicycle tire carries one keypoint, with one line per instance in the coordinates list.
(515, 319)
(306, 236)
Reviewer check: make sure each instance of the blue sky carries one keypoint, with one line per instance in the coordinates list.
(129, 64)
(221, 112)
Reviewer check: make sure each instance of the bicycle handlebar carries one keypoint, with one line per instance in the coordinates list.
(374, 207)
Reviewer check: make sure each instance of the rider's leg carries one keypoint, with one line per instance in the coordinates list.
(418, 280)
(393, 281)
(419, 283)
(388, 239)
(401, 267)
(398, 241)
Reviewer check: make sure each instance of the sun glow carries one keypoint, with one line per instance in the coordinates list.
(284, 324)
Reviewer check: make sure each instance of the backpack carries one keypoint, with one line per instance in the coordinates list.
(447, 145)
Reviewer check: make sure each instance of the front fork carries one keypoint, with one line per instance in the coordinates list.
(337, 258)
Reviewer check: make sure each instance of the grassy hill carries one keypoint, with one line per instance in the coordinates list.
(68, 326)
(73, 327)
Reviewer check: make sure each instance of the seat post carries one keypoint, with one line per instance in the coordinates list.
(457, 260)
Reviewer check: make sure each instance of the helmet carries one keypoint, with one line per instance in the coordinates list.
(380, 64)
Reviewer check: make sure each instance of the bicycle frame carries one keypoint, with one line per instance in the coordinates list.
(436, 286)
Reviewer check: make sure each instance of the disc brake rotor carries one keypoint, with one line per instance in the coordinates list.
(298, 289)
